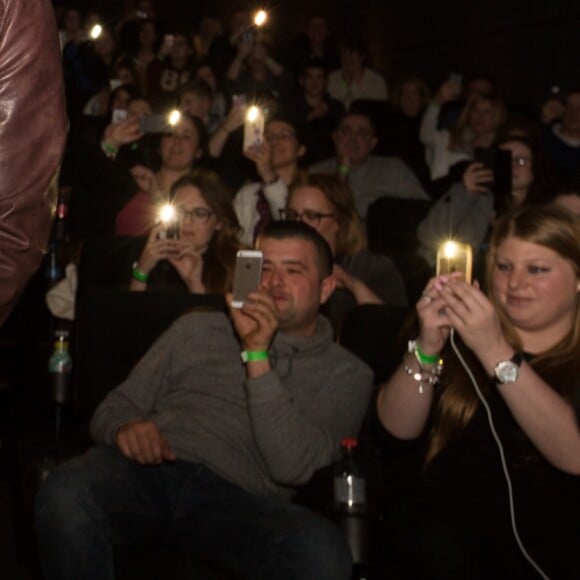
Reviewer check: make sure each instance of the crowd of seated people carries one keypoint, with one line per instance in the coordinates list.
(336, 139)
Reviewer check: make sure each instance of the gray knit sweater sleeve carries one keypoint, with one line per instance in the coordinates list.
(136, 397)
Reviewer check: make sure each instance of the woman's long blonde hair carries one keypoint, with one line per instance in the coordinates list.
(547, 226)
(460, 136)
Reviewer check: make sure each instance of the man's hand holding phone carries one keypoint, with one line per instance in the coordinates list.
(253, 310)
(257, 321)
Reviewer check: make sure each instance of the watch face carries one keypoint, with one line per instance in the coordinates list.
(507, 372)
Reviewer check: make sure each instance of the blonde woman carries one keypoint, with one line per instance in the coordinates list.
(522, 345)
(477, 127)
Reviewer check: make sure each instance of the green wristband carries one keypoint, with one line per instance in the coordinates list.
(139, 275)
(426, 359)
(109, 150)
(254, 355)
(343, 169)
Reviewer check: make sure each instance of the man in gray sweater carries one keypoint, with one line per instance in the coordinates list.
(200, 451)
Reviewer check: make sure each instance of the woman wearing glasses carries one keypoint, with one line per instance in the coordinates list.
(204, 251)
(326, 204)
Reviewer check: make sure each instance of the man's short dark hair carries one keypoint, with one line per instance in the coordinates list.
(281, 230)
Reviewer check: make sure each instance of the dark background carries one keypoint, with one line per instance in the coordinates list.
(527, 46)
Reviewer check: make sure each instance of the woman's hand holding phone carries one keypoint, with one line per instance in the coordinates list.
(477, 178)
(189, 265)
(473, 317)
(157, 248)
(123, 132)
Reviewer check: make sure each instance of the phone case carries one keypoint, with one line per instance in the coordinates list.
(254, 127)
(455, 257)
(247, 275)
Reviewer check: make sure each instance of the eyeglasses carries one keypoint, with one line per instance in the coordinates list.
(310, 216)
(200, 215)
(520, 161)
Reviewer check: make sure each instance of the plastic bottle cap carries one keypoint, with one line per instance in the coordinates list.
(349, 442)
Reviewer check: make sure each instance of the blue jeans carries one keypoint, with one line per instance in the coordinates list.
(103, 499)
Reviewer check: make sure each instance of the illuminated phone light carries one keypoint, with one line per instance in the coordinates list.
(454, 257)
(167, 214)
(96, 31)
(253, 114)
(450, 249)
(174, 117)
(260, 17)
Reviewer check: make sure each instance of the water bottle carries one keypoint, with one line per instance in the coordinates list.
(350, 494)
(60, 366)
(350, 500)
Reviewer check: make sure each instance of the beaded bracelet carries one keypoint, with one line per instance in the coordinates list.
(425, 376)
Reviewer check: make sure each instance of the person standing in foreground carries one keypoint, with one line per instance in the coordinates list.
(522, 344)
(33, 127)
(201, 453)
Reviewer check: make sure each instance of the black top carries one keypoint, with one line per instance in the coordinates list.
(454, 514)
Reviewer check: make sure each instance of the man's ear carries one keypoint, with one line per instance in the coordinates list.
(374, 142)
(301, 151)
(327, 287)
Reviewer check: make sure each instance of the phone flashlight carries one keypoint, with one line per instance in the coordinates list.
(168, 217)
(453, 257)
(254, 127)
(252, 114)
(96, 31)
(174, 117)
(260, 17)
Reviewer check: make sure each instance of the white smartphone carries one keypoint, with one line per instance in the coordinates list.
(455, 257)
(254, 127)
(247, 275)
(118, 115)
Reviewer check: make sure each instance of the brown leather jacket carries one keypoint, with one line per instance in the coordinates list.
(32, 137)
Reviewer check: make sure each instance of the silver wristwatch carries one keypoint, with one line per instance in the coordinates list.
(507, 371)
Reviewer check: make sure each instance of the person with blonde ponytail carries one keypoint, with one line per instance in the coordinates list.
(520, 344)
